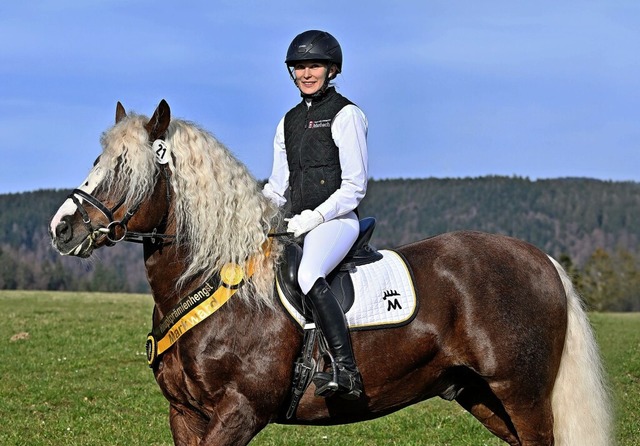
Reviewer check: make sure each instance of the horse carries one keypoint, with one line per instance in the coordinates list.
(499, 327)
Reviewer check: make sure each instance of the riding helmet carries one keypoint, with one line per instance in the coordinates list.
(314, 45)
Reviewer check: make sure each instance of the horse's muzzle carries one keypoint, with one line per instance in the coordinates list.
(66, 241)
(63, 231)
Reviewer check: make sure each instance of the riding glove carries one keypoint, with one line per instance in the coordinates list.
(304, 222)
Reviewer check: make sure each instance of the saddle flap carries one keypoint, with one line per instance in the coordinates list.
(340, 281)
(287, 276)
(287, 282)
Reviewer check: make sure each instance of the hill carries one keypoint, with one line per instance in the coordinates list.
(574, 219)
(572, 216)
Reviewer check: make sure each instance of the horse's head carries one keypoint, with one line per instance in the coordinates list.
(127, 192)
(160, 178)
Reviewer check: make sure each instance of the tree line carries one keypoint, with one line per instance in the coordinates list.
(591, 226)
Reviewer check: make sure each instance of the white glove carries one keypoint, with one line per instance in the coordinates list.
(304, 222)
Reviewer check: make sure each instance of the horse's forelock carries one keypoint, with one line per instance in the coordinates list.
(128, 160)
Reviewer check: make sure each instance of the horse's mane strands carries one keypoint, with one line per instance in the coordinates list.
(220, 213)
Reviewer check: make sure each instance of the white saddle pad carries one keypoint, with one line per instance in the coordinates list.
(384, 294)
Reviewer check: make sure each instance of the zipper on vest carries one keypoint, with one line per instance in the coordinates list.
(305, 136)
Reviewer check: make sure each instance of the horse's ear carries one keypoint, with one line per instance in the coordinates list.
(120, 112)
(159, 122)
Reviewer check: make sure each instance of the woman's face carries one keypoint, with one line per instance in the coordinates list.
(310, 75)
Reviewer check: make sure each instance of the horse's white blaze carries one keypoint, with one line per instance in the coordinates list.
(68, 207)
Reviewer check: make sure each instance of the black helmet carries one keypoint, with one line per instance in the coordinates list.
(314, 45)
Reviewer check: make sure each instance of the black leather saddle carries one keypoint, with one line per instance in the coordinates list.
(361, 253)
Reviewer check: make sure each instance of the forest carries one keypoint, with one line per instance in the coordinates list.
(591, 226)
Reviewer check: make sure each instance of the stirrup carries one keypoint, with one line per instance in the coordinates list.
(325, 385)
(345, 383)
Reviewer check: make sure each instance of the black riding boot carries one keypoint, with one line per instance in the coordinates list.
(330, 319)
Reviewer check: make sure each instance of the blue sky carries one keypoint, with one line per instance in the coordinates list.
(539, 89)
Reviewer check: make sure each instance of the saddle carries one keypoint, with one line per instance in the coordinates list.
(361, 253)
(374, 288)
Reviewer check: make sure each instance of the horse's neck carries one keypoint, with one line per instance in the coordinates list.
(163, 271)
(165, 267)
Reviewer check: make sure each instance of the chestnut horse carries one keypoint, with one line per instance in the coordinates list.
(499, 327)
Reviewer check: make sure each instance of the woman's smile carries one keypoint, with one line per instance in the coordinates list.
(310, 76)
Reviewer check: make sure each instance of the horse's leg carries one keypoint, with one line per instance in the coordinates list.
(484, 405)
(533, 422)
(187, 427)
(528, 406)
(518, 424)
(234, 422)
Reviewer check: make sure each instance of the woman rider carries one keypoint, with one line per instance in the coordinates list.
(320, 158)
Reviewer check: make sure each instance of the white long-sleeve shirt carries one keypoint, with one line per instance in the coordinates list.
(349, 131)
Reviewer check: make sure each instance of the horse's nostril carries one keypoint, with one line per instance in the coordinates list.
(64, 231)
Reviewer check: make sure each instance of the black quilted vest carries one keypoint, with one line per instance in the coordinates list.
(313, 157)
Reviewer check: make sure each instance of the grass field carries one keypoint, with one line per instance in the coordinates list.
(73, 372)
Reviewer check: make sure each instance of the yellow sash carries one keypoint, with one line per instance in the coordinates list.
(196, 307)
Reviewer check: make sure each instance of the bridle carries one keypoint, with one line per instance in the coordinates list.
(109, 231)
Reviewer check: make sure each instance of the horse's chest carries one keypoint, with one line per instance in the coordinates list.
(176, 383)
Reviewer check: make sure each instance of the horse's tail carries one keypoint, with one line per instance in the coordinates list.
(580, 399)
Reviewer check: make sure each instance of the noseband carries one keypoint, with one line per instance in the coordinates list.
(109, 231)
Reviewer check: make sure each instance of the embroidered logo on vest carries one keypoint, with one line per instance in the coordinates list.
(319, 124)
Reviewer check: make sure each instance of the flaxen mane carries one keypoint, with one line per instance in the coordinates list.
(220, 212)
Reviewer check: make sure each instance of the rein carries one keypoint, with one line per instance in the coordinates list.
(109, 231)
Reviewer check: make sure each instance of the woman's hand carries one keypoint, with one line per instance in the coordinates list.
(304, 222)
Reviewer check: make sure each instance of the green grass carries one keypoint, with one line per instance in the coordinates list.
(619, 338)
(80, 378)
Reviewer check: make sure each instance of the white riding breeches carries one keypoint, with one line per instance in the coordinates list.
(324, 248)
